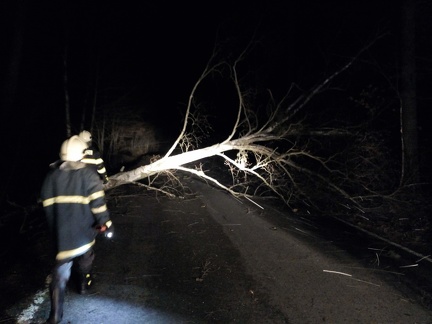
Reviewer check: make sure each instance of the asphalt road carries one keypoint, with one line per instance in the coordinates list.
(216, 259)
(309, 277)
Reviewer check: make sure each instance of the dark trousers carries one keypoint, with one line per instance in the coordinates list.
(60, 277)
(62, 269)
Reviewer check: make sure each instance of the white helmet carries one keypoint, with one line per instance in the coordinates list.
(85, 136)
(72, 149)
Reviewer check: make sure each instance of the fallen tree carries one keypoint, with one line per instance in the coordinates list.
(261, 155)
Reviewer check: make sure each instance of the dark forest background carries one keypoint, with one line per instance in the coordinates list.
(115, 59)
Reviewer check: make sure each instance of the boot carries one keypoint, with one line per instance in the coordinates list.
(85, 282)
(57, 300)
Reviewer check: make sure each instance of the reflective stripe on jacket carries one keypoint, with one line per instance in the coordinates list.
(92, 157)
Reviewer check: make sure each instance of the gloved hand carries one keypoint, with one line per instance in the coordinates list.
(107, 229)
(105, 179)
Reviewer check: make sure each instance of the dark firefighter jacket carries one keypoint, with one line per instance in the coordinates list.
(92, 157)
(74, 202)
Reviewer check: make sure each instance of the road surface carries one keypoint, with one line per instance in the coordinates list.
(216, 259)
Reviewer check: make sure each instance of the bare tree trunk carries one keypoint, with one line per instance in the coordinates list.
(410, 167)
(67, 104)
(10, 78)
(93, 115)
(9, 89)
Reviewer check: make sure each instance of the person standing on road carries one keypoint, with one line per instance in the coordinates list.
(92, 155)
(74, 203)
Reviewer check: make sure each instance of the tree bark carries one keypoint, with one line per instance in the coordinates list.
(66, 93)
(9, 114)
(410, 167)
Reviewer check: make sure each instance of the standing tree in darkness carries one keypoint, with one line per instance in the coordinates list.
(66, 95)
(410, 159)
(9, 89)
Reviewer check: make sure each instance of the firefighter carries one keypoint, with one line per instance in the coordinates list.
(92, 155)
(75, 208)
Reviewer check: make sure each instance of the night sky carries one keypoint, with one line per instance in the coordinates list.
(152, 52)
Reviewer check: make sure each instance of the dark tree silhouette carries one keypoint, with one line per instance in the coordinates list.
(408, 95)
